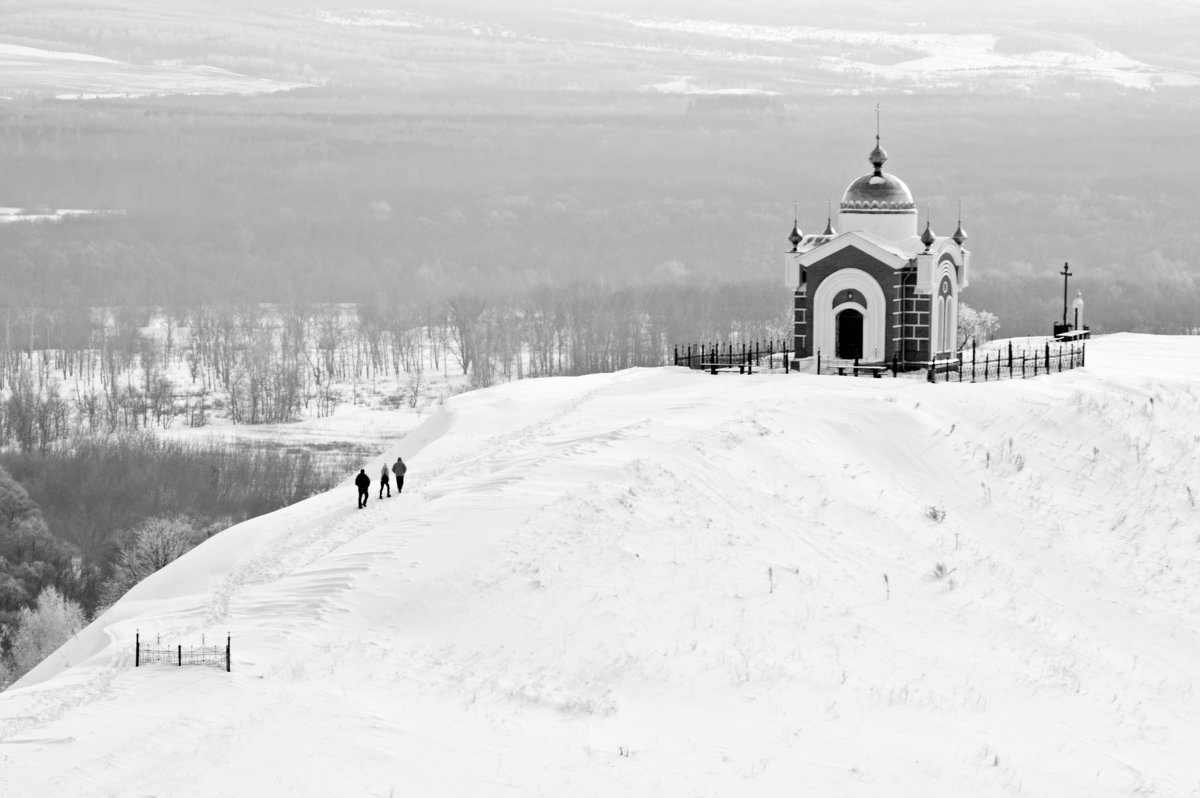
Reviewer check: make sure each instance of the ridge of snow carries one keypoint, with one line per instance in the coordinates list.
(572, 597)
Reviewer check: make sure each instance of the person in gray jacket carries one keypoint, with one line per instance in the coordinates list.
(399, 470)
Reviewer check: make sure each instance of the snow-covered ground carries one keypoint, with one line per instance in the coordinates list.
(660, 582)
(938, 58)
(10, 215)
(35, 71)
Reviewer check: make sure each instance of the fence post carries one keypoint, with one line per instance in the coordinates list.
(972, 359)
(895, 364)
(1083, 354)
(1047, 357)
(1010, 359)
(137, 656)
(856, 365)
(179, 653)
(818, 361)
(960, 365)
(786, 370)
(228, 641)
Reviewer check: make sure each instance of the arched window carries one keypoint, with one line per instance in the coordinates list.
(947, 318)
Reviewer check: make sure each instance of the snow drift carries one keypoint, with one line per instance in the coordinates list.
(659, 582)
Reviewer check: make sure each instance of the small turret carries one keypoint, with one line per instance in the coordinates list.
(796, 237)
(927, 238)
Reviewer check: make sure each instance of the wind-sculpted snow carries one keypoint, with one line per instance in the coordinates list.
(660, 582)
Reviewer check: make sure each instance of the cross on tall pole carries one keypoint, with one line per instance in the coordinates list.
(1066, 273)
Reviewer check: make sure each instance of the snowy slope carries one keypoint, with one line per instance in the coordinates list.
(572, 598)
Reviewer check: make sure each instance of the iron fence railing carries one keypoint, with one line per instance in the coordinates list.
(745, 357)
(1008, 363)
(180, 655)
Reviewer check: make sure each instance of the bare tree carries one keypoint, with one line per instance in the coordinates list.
(464, 316)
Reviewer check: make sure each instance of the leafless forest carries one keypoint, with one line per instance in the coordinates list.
(130, 369)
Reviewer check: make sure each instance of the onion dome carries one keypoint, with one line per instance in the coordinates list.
(796, 237)
(878, 192)
(960, 235)
(829, 231)
(927, 238)
(878, 157)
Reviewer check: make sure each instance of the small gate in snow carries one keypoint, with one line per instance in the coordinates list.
(180, 655)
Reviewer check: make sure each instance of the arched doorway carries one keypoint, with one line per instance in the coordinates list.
(830, 300)
(849, 334)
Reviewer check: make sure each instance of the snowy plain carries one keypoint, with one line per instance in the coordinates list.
(33, 71)
(659, 582)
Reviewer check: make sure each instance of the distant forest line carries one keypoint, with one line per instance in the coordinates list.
(331, 195)
(101, 372)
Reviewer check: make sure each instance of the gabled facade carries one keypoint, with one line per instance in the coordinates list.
(877, 290)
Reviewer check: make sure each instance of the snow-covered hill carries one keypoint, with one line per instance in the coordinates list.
(666, 583)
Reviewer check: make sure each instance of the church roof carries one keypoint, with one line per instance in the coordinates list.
(888, 252)
(878, 192)
(897, 254)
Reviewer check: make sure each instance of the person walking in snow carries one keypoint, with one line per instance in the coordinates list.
(399, 470)
(384, 483)
(364, 487)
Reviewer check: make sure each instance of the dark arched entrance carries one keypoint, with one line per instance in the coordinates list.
(849, 334)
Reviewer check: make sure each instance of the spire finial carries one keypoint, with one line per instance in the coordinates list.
(878, 156)
(960, 235)
(928, 237)
(796, 236)
(829, 231)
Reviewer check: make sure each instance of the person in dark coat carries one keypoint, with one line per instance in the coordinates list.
(399, 470)
(364, 487)
(384, 483)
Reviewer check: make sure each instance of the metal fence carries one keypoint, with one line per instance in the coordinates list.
(1008, 363)
(744, 358)
(180, 655)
